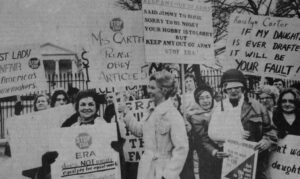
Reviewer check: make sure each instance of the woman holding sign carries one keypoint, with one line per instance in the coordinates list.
(166, 143)
(86, 107)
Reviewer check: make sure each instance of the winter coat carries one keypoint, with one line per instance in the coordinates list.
(166, 142)
(255, 119)
(209, 167)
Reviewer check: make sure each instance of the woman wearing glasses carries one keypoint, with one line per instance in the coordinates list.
(287, 115)
(268, 96)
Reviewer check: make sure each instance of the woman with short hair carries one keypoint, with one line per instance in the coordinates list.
(59, 97)
(41, 102)
(268, 95)
(86, 109)
(163, 131)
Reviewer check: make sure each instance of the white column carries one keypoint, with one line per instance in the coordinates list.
(74, 66)
(56, 66)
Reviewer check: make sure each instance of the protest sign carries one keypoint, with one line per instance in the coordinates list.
(115, 47)
(134, 146)
(284, 162)
(28, 135)
(85, 152)
(263, 45)
(178, 32)
(21, 71)
(242, 162)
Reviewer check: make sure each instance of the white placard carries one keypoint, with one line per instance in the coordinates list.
(285, 161)
(178, 31)
(21, 70)
(242, 161)
(263, 45)
(134, 146)
(28, 135)
(85, 152)
(116, 47)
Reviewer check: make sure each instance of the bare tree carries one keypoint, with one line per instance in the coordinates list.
(223, 8)
(287, 8)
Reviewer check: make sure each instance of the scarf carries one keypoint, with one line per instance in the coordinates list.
(226, 124)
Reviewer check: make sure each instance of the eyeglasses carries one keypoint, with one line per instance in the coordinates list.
(291, 101)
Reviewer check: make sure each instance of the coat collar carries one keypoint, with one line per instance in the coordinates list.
(164, 107)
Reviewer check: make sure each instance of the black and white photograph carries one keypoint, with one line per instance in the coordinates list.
(150, 89)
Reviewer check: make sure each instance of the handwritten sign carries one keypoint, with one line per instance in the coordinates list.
(116, 50)
(85, 152)
(21, 71)
(178, 32)
(242, 161)
(134, 146)
(28, 135)
(264, 45)
(284, 162)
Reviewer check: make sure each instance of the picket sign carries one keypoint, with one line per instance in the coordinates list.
(284, 162)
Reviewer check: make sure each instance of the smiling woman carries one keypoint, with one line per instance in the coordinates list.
(286, 117)
(86, 109)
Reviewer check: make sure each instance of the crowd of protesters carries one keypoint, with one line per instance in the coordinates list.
(197, 121)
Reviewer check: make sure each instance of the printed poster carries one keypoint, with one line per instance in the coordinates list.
(134, 146)
(178, 31)
(84, 152)
(284, 162)
(263, 45)
(242, 162)
(21, 71)
(116, 47)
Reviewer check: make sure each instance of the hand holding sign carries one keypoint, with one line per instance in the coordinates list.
(221, 155)
(263, 145)
(245, 134)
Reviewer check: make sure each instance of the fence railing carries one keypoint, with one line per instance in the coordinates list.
(60, 81)
(78, 80)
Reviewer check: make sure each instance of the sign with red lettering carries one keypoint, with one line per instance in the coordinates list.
(116, 46)
(85, 152)
(284, 161)
(178, 32)
(242, 162)
(21, 71)
(263, 45)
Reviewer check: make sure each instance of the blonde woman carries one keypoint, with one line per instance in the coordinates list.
(164, 133)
